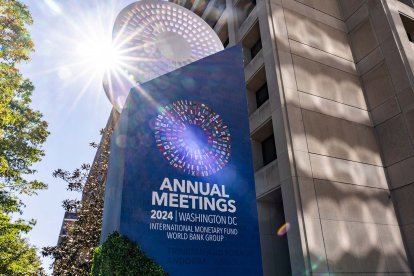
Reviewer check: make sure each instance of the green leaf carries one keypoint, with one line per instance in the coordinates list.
(120, 256)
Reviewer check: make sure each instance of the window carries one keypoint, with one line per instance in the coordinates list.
(256, 48)
(263, 142)
(220, 5)
(214, 13)
(257, 93)
(226, 43)
(269, 150)
(408, 24)
(407, 2)
(250, 7)
(223, 34)
(252, 43)
(262, 95)
(244, 8)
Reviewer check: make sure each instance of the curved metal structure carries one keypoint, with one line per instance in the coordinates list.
(156, 37)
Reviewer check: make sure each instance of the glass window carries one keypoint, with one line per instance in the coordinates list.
(250, 7)
(269, 150)
(408, 24)
(262, 95)
(225, 43)
(244, 8)
(256, 48)
(407, 2)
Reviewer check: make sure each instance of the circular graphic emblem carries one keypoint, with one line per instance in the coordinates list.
(193, 138)
(156, 37)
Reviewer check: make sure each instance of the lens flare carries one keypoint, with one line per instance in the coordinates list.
(283, 229)
(78, 50)
(121, 141)
(53, 6)
(100, 54)
(314, 265)
(155, 38)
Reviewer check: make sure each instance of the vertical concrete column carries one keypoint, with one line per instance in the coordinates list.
(282, 90)
(231, 21)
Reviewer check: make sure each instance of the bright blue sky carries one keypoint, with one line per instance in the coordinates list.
(72, 101)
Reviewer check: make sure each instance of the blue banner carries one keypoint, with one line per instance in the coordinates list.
(180, 180)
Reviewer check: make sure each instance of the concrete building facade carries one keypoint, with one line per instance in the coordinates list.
(339, 111)
(331, 106)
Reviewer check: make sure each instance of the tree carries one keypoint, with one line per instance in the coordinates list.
(17, 257)
(120, 256)
(20, 143)
(15, 46)
(73, 256)
(22, 132)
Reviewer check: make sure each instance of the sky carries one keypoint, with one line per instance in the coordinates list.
(69, 93)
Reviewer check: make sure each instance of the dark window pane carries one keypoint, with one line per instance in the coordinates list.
(225, 43)
(220, 5)
(256, 48)
(408, 2)
(269, 150)
(250, 7)
(408, 24)
(262, 95)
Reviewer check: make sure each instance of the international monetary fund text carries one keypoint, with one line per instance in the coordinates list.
(193, 210)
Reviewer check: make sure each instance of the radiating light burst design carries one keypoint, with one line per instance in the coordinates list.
(102, 41)
(192, 138)
(78, 48)
(162, 36)
(155, 38)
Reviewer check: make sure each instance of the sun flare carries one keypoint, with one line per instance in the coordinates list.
(100, 54)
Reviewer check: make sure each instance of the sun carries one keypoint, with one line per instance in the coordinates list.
(100, 54)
